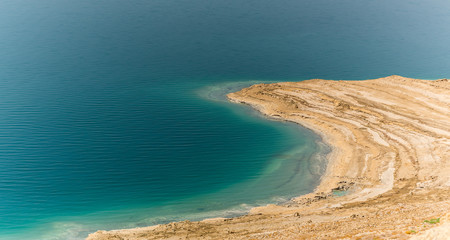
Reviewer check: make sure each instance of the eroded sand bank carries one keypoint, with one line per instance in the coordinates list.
(391, 156)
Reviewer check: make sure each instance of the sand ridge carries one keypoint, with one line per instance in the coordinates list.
(390, 140)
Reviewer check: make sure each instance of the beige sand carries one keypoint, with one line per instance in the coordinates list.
(391, 153)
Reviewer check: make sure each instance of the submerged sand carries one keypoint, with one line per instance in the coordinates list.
(390, 157)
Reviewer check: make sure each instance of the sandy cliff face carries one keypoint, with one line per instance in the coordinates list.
(391, 155)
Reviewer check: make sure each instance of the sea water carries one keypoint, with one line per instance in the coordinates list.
(113, 113)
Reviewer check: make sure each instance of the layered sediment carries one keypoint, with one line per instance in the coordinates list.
(390, 160)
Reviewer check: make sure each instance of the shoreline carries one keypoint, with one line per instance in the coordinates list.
(389, 147)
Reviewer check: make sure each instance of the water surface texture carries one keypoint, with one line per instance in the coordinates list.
(113, 115)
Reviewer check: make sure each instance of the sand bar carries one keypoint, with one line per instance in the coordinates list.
(390, 140)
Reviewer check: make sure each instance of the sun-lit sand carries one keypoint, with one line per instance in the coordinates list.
(390, 158)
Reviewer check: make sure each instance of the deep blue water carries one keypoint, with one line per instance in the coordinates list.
(112, 113)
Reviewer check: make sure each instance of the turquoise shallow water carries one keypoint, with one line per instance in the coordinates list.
(199, 156)
(112, 113)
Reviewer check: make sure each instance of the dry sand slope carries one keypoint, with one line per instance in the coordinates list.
(391, 155)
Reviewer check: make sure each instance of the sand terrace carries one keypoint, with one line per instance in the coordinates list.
(391, 156)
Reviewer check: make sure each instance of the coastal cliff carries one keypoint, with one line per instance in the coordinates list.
(388, 174)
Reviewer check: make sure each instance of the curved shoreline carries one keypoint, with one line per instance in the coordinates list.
(390, 147)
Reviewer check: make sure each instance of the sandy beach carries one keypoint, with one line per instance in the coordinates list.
(388, 175)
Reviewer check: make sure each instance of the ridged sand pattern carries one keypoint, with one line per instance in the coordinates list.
(387, 132)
